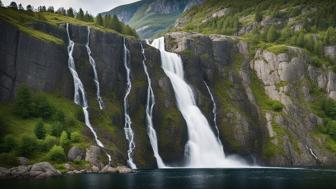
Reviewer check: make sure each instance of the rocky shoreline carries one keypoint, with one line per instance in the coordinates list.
(45, 169)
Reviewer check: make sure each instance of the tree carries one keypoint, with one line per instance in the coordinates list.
(1, 5)
(39, 130)
(286, 33)
(272, 34)
(330, 36)
(43, 108)
(42, 9)
(13, 5)
(50, 141)
(129, 31)
(23, 103)
(56, 153)
(75, 137)
(70, 12)
(61, 11)
(116, 24)
(64, 139)
(99, 20)
(80, 14)
(258, 16)
(51, 9)
(56, 129)
(309, 42)
(21, 7)
(318, 47)
(29, 8)
(88, 17)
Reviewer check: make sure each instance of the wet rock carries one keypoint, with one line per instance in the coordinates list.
(43, 170)
(108, 169)
(92, 154)
(23, 161)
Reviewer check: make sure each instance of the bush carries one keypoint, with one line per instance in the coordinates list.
(8, 144)
(43, 108)
(75, 137)
(275, 105)
(56, 153)
(64, 139)
(8, 159)
(39, 130)
(59, 116)
(28, 146)
(56, 129)
(328, 106)
(50, 141)
(272, 34)
(24, 103)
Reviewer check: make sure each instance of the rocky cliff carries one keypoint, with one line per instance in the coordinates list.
(265, 101)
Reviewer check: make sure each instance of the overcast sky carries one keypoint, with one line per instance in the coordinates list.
(93, 6)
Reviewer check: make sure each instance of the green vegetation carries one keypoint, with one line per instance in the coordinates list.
(56, 153)
(35, 133)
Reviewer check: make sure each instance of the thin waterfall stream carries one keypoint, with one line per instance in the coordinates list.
(128, 122)
(79, 92)
(149, 114)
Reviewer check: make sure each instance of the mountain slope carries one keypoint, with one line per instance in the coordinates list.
(150, 17)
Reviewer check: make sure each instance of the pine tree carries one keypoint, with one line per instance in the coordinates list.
(1, 5)
(39, 130)
(61, 11)
(21, 7)
(107, 21)
(23, 102)
(99, 20)
(80, 15)
(116, 24)
(318, 47)
(13, 5)
(64, 139)
(51, 9)
(70, 12)
(29, 8)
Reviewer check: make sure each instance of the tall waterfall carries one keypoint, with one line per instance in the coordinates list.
(149, 115)
(79, 92)
(214, 111)
(128, 122)
(202, 149)
(93, 65)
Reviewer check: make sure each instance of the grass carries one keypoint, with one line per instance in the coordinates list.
(278, 49)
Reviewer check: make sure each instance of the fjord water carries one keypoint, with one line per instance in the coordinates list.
(189, 179)
(128, 122)
(202, 150)
(150, 102)
(79, 91)
(95, 74)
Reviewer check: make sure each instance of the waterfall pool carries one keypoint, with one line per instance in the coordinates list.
(254, 178)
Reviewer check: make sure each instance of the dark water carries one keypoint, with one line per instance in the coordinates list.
(188, 179)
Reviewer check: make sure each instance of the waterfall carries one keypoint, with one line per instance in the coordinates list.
(202, 149)
(79, 92)
(128, 123)
(214, 112)
(149, 114)
(93, 64)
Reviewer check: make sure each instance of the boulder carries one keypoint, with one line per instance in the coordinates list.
(108, 169)
(92, 154)
(123, 169)
(23, 161)
(75, 154)
(4, 172)
(21, 171)
(42, 170)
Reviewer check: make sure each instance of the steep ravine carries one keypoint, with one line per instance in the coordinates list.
(247, 127)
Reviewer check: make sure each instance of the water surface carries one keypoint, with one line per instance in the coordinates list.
(188, 179)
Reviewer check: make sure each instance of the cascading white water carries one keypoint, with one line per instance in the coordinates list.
(79, 92)
(93, 65)
(202, 149)
(214, 112)
(149, 114)
(128, 123)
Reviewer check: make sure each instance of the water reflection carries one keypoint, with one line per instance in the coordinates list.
(187, 179)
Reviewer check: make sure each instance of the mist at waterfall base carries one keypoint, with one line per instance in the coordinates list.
(188, 179)
(203, 149)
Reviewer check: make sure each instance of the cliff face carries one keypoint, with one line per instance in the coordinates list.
(263, 101)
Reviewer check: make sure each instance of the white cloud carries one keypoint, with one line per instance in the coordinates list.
(93, 6)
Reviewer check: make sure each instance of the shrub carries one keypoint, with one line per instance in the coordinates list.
(75, 137)
(23, 103)
(8, 144)
(56, 129)
(258, 16)
(39, 130)
(64, 139)
(272, 34)
(28, 146)
(43, 108)
(59, 116)
(328, 106)
(56, 153)
(275, 105)
(50, 141)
